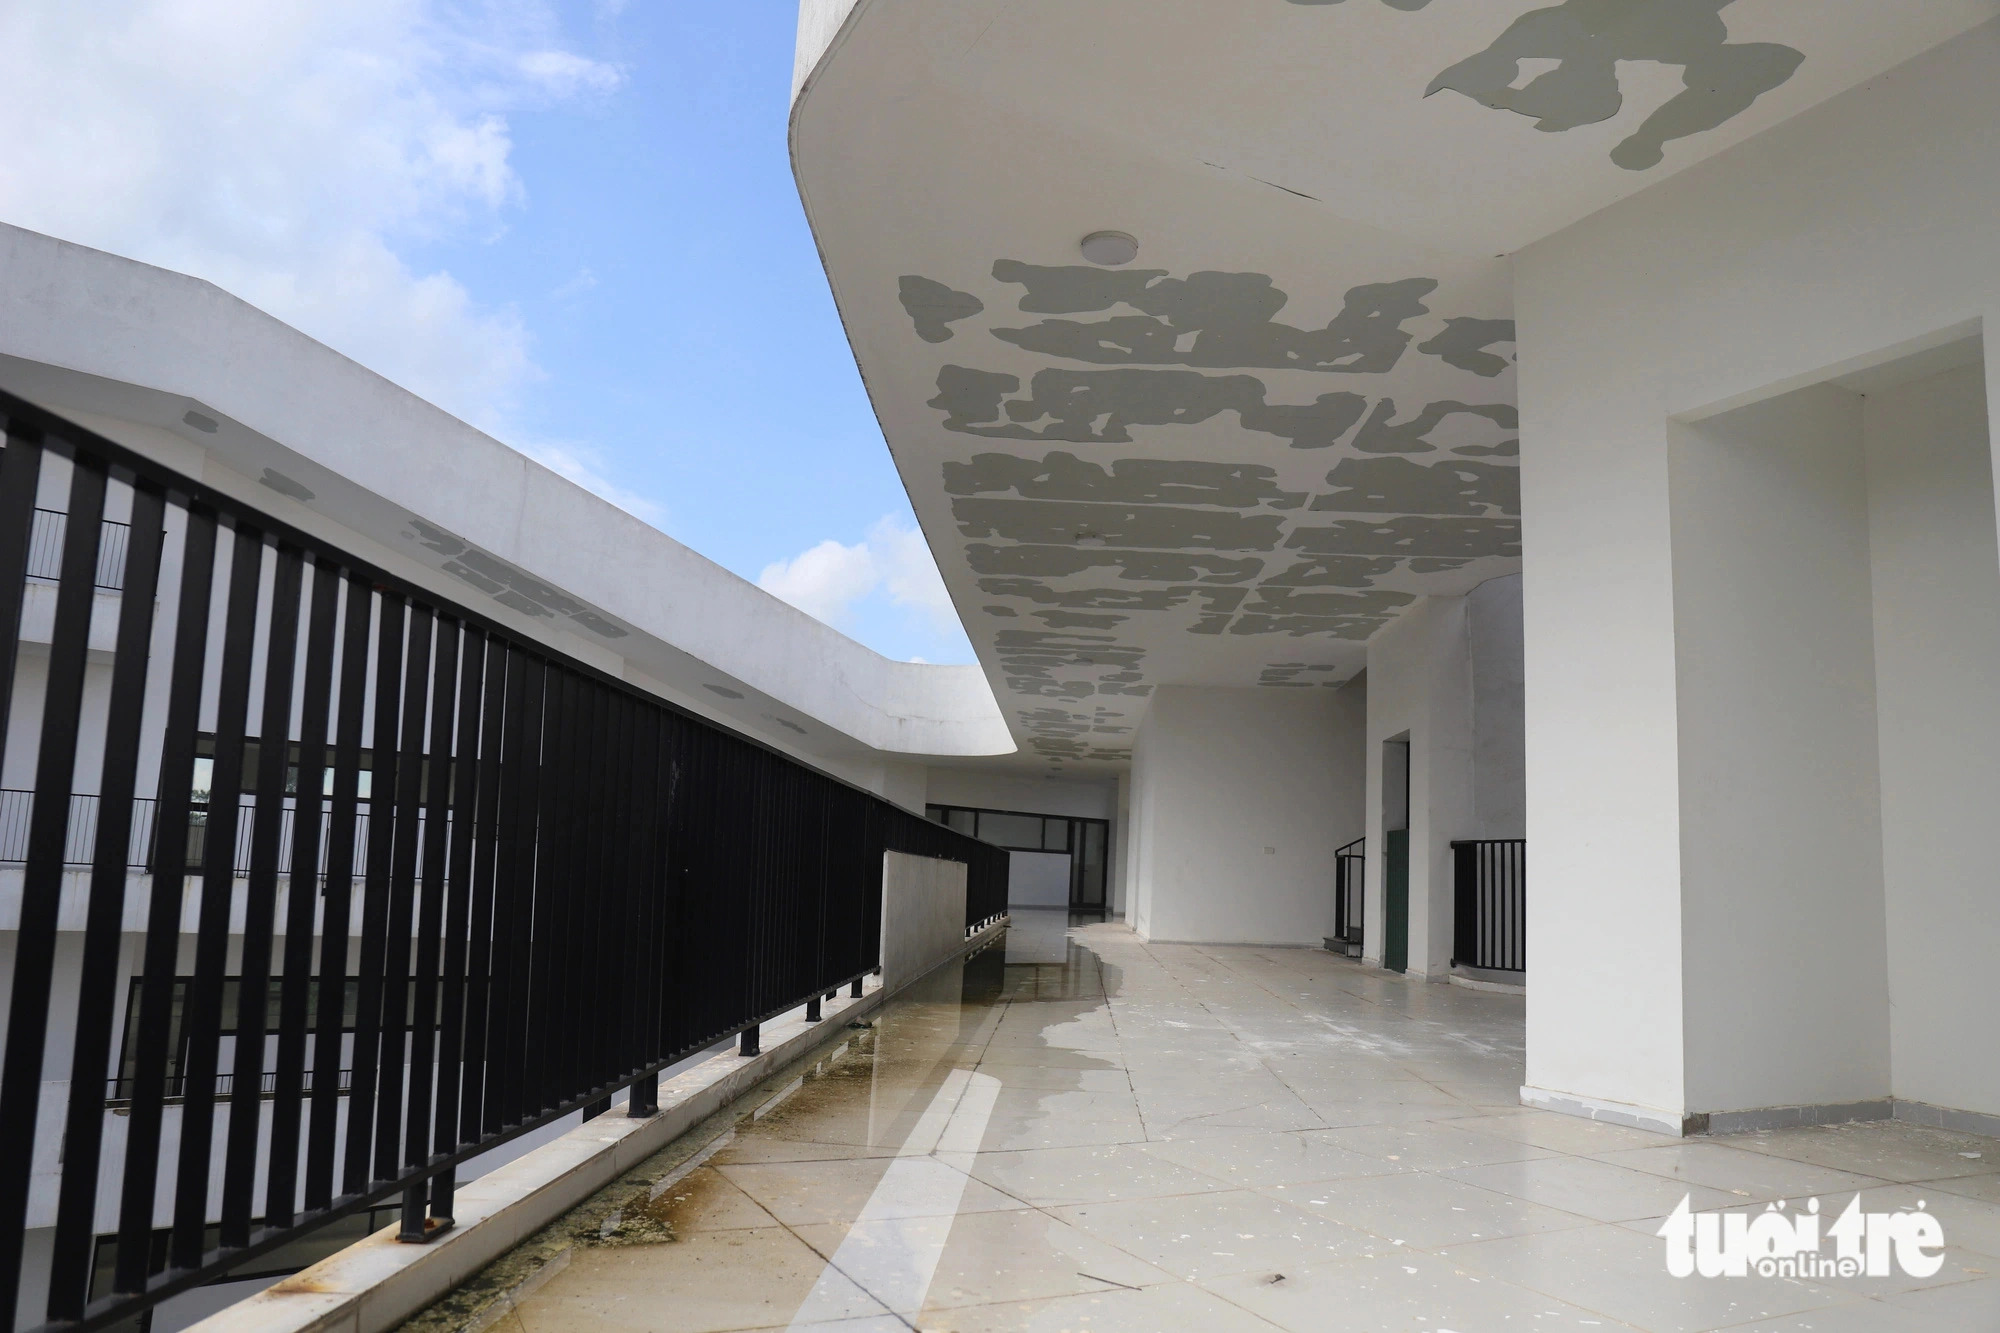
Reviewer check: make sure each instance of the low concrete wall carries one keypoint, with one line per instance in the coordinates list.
(374, 1285)
(923, 915)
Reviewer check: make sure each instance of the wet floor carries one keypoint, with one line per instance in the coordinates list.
(1081, 1131)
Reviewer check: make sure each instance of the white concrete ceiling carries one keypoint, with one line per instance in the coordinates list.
(1231, 460)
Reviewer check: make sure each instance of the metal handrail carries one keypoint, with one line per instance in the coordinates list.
(646, 882)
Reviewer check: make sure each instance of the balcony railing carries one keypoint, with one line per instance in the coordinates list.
(639, 882)
(1490, 884)
(1348, 894)
(80, 833)
(45, 548)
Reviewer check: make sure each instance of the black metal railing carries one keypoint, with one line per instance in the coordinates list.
(1490, 925)
(80, 834)
(1348, 863)
(45, 549)
(639, 884)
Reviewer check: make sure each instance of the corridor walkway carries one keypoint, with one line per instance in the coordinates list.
(1086, 1132)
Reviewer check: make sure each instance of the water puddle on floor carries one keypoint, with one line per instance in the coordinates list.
(1076, 1131)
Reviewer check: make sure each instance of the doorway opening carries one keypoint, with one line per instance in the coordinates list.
(1396, 853)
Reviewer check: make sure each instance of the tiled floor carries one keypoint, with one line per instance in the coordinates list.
(1097, 1134)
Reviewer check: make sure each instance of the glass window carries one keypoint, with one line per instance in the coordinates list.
(1055, 835)
(961, 821)
(1019, 831)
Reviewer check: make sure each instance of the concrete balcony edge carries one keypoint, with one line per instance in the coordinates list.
(376, 1284)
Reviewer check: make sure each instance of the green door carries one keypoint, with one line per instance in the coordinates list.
(1396, 900)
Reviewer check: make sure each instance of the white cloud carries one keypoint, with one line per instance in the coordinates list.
(825, 581)
(289, 150)
(828, 580)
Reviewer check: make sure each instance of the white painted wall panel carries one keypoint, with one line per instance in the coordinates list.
(1240, 798)
(1858, 231)
(923, 914)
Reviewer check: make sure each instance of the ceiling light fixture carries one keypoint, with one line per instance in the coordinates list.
(1110, 248)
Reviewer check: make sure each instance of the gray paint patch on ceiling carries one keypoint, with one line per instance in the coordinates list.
(1399, 486)
(1342, 615)
(1407, 6)
(1063, 476)
(1464, 342)
(1144, 527)
(1035, 662)
(284, 485)
(1590, 37)
(1381, 435)
(512, 588)
(1300, 675)
(724, 691)
(1066, 735)
(1101, 406)
(1210, 320)
(1086, 560)
(1141, 566)
(1420, 535)
(933, 307)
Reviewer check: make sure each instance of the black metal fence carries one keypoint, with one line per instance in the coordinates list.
(1348, 893)
(1490, 925)
(549, 887)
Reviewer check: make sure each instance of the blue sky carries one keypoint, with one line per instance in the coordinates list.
(572, 223)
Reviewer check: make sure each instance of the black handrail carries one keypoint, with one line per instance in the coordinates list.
(1348, 893)
(1490, 922)
(639, 882)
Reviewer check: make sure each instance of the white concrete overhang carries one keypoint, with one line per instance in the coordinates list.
(1233, 459)
(188, 374)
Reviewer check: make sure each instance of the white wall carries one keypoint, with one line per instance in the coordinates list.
(1239, 796)
(1937, 643)
(1420, 673)
(923, 915)
(1038, 879)
(987, 789)
(1785, 987)
(1499, 732)
(1857, 232)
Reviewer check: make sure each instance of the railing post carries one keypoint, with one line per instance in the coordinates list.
(443, 1186)
(748, 1045)
(419, 1225)
(645, 1099)
(812, 1010)
(854, 991)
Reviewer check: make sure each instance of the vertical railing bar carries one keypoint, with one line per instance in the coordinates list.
(463, 797)
(397, 1020)
(301, 900)
(202, 1020)
(375, 922)
(502, 1074)
(246, 1103)
(337, 912)
(551, 876)
(20, 477)
(163, 922)
(69, 1281)
(525, 759)
(424, 1045)
(474, 1081)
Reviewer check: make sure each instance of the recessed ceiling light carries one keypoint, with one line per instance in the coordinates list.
(1110, 248)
